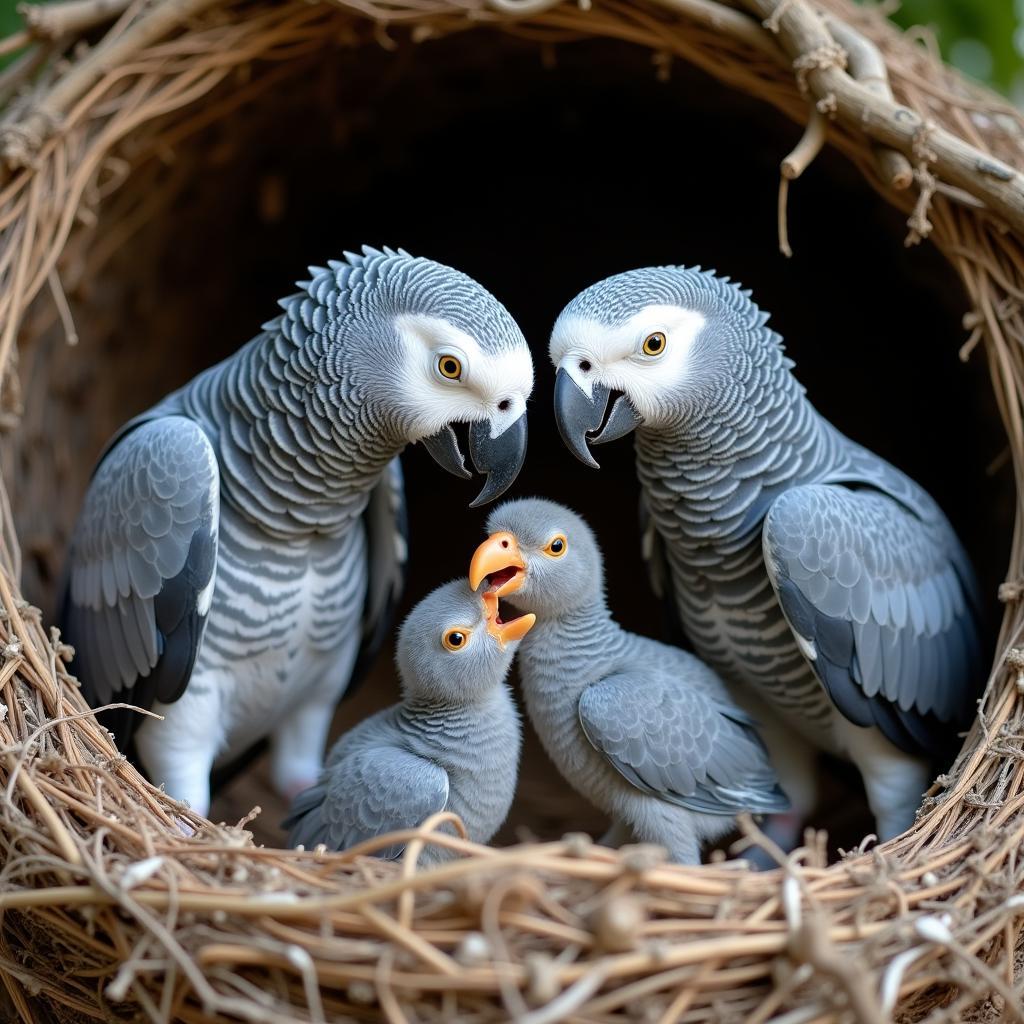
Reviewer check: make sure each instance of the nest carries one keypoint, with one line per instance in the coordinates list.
(111, 911)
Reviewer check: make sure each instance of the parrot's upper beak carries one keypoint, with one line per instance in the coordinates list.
(581, 419)
(498, 561)
(499, 457)
(505, 632)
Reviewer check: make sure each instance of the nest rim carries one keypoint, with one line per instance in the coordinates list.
(964, 836)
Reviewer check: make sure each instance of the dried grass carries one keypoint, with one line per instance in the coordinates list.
(110, 911)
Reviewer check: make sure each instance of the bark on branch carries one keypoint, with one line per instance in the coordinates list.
(804, 35)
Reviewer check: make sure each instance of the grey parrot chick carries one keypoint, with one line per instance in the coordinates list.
(242, 543)
(452, 744)
(643, 730)
(825, 585)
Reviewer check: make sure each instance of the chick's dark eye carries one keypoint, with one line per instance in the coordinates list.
(555, 547)
(455, 639)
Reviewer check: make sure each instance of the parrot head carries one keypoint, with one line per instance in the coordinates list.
(428, 352)
(540, 556)
(454, 647)
(648, 347)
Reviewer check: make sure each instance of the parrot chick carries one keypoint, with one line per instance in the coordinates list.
(452, 744)
(643, 730)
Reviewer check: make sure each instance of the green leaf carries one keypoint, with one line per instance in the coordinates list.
(981, 37)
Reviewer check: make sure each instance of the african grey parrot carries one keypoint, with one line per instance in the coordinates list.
(241, 543)
(452, 744)
(645, 731)
(803, 567)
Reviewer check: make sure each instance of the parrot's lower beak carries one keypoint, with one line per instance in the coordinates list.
(499, 561)
(505, 632)
(500, 458)
(604, 416)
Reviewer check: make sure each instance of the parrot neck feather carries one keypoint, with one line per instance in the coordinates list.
(713, 470)
(299, 445)
(440, 729)
(571, 650)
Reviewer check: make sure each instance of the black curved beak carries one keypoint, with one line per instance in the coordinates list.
(581, 420)
(444, 449)
(500, 458)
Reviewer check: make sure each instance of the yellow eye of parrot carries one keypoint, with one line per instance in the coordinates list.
(455, 639)
(450, 367)
(557, 546)
(654, 344)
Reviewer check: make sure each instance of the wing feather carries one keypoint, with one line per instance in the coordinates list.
(678, 743)
(370, 792)
(885, 597)
(143, 549)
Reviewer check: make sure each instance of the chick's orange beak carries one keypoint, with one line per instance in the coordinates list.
(505, 632)
(499, 562)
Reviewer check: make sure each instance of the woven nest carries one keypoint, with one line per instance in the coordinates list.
(109, 910)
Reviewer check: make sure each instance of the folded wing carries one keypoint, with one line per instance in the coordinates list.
(142, 567)
(680, 744)
(882, 603)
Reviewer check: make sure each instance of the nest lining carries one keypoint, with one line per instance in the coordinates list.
(97, 876)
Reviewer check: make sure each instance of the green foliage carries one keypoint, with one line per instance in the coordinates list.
(9, 20)
(984, 38)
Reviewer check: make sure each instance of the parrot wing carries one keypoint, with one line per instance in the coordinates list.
(371, 792)
(387, 542)
(881, 602)
(142, 565)
(679, 744)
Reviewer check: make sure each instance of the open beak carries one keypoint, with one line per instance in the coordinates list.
(500, 458)
(505, 632)
(499, 562)
(581, 419)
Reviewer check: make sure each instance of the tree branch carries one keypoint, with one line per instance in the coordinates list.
(805, 37)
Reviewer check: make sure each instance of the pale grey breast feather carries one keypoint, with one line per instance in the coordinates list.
(478, 747)
(259, 611)
(569, 652)
(408, 762)
(454, 736)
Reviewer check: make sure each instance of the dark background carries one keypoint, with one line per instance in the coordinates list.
(538, 177)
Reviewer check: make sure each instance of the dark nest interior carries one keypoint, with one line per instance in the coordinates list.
(537, 171)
